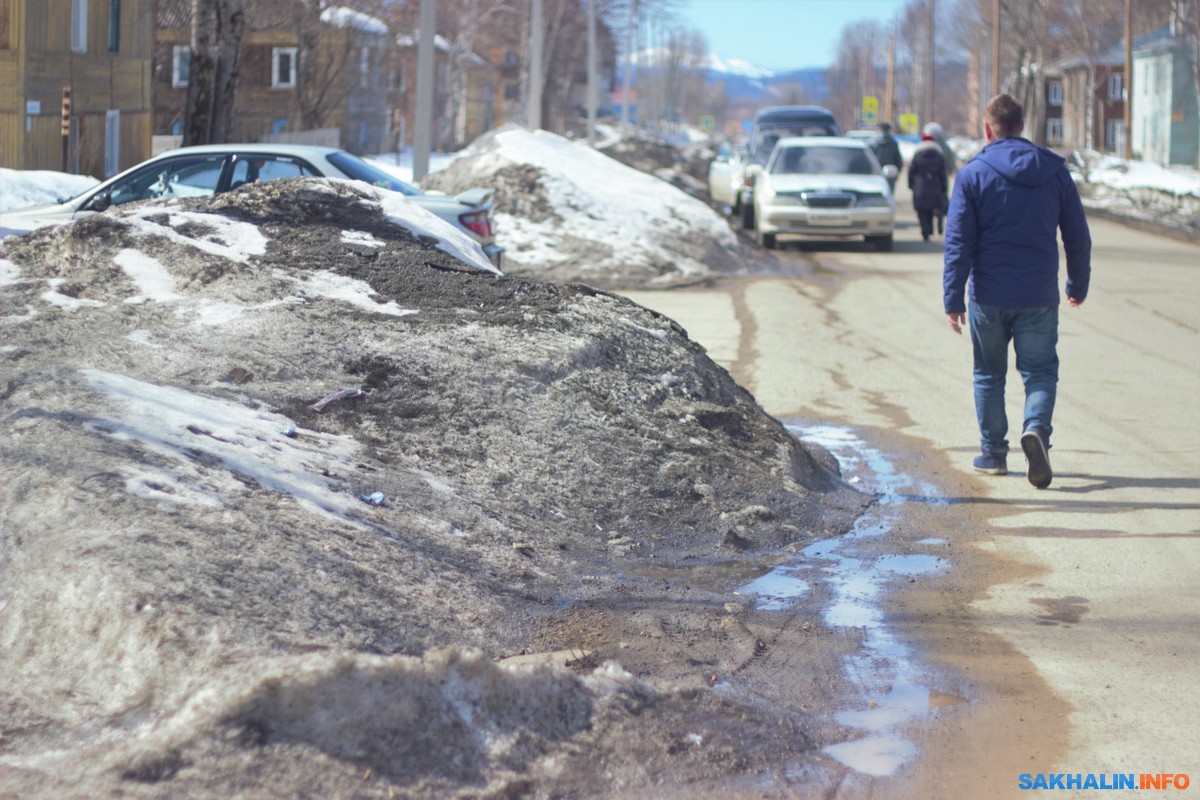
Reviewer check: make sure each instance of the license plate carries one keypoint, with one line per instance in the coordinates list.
(832, 220)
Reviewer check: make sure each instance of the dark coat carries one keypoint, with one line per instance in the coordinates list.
(1010, 202)
(927, 177)
(887, 151)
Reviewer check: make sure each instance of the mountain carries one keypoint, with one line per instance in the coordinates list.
(748, 82)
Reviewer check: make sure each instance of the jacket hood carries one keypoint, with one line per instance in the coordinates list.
(1021, 161)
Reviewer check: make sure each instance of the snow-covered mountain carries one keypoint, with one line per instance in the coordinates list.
(738, 67)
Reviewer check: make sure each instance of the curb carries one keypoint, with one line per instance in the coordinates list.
(1145, 225)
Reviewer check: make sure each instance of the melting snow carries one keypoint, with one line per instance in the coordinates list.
(181, 425)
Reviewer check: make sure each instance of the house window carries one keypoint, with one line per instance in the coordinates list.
(1116, 87)
(112, 142)
(114, 26)
(79, 26)
(364, 67)
(283, 67)
(1056, 93)
(181, 65)
(1115, 136)
(1054, 131)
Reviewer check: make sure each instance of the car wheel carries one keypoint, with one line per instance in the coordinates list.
(747, 215)
(881, 243)
(767, 240)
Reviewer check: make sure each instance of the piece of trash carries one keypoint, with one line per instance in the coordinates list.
(344, 394)
(289, 430)
(374, 498)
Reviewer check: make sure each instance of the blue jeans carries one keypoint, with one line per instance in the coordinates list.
(1034, 335)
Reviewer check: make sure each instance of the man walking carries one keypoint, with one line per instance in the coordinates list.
(887, 151)
(1008, 205)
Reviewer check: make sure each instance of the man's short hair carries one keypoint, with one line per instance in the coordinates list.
(885, 127)
(1004, 115)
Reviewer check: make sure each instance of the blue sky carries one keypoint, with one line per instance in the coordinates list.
(780, 34)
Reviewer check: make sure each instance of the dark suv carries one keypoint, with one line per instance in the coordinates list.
(771, 125)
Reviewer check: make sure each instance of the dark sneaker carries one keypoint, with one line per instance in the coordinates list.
(991, 463)
(1038, 457)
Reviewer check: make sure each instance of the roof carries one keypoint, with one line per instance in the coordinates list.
(790, 112)
(823, 141)
(1115, 55)
(261, 15)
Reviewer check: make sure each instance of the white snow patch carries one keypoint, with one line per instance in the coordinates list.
(361, 237)
(451, 240)
(342, 17)
(223, 237)
(142, 336)
(66, 302)
(10, 273)
(178, 425)
(32, 188)
(350, 290)
(149, 275)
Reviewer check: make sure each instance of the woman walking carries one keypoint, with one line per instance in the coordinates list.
(929, 184)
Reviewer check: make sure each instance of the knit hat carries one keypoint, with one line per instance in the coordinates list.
(934, 130)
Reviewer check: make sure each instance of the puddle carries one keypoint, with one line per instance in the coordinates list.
(886, 670)
(777, 589)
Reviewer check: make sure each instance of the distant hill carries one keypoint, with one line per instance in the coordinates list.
(745, 82)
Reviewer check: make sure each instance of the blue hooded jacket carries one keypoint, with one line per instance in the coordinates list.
(1009, 203)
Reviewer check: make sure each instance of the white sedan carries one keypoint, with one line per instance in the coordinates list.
(824, 187)
(211, 169)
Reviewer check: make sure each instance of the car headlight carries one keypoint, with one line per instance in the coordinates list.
(783, 200)
(872, 201)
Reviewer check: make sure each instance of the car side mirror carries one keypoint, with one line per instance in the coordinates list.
(100, 201)
(891, 171)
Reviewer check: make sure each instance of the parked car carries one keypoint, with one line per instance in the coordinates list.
(827, 187)
(725, 173)
(206, 170)
(771, 125)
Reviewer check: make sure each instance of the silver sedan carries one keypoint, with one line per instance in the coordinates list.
(211, 169)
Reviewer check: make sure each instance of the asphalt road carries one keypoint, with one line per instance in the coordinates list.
(1069, 619)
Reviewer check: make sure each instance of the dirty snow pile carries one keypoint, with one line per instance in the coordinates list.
(1166, 196)
(570, 213)
(286, 471)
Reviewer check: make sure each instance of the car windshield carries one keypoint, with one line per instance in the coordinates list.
(823, 161)
(768, 136)
(354, 167)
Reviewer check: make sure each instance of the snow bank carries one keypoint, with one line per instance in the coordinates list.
(30, 188)
(597, 220)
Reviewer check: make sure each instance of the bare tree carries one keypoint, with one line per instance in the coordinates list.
(857, 71)
(217, 27)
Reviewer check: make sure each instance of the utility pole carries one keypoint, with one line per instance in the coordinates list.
(537, 24)
(995, 48)
(423, 124)
(1128, 80)
(591, 74)
(929, 87)
(889, 99)
(628, 81)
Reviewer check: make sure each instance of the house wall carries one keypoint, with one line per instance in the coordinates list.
(39, 63)
(1166, 119)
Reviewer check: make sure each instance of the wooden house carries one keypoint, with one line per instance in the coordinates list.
(1166, 104)
(457, 121)
(1085, 103)
(75, 84)
(268, 69)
